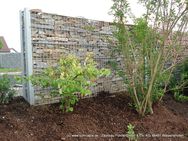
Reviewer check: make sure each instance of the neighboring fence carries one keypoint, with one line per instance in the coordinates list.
(45, 37)
(10, 60)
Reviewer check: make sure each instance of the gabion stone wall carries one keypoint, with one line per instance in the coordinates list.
(54, 35)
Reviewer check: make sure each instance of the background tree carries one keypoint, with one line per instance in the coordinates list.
(1, 44)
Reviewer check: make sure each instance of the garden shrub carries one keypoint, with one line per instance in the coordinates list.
(148, 46)
(6, 93)
(179, 82)
(70, 77)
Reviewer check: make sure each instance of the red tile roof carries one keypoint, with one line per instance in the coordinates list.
(5, 47)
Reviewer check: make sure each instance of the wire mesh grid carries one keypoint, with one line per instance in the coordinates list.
(54, 35)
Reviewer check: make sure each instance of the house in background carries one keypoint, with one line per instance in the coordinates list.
(9, 58)
(4, 48)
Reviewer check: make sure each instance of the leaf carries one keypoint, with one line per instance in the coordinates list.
(70, 109)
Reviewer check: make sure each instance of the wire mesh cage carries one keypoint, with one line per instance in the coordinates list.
(46, 37)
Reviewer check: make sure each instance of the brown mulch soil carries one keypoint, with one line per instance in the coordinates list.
(102, 119)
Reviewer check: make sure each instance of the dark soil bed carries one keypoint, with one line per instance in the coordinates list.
(102, 119)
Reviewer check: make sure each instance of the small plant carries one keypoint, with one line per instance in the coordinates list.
(130, 133)
(180, 97)
(6, 93)
(71, 77)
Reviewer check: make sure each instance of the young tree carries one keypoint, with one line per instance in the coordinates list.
(151, 47)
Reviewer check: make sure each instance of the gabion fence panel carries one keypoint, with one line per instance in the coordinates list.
(46, 37)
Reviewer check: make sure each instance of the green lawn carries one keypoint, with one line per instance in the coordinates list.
(9, 70)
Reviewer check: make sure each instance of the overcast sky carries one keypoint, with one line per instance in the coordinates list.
(92, 9)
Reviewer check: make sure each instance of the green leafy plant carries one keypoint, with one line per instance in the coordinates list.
(179, 82)
(180, 97)
(150, 48)
(1, 45)
(130, 133)
(6, 93)
(70, 77)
